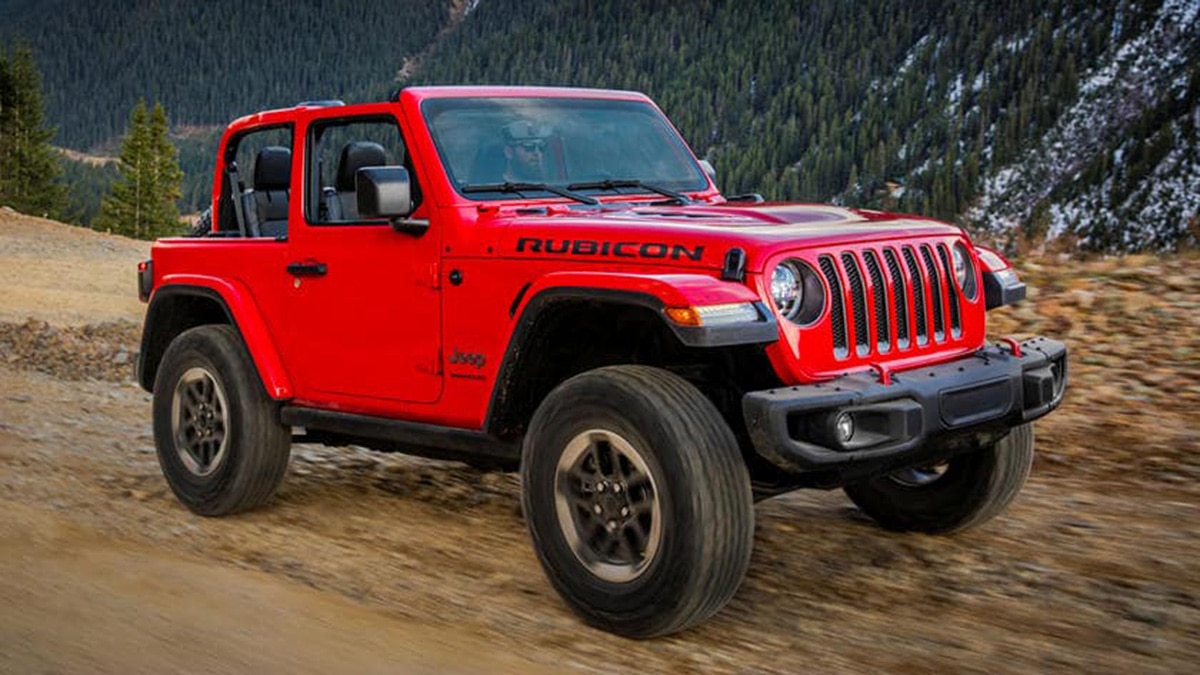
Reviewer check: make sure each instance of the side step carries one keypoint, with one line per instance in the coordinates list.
(388, 435)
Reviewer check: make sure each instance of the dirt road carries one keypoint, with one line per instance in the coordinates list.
(376, 563)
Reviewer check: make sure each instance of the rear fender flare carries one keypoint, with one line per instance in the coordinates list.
(240, 311)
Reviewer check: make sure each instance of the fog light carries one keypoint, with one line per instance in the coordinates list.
(844, 426)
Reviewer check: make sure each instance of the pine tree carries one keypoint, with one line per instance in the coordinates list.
(29, 166)
(142, 203)
(168, 178)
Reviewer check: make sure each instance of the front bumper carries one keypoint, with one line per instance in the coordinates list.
(921, 413)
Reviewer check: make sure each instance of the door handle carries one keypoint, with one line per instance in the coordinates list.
(306, 269)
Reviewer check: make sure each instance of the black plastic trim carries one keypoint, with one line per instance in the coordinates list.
(990, 388)
(997, 294)
(762, 332)
(145, 280)
(512, 309)
(734, 268)
(391, 435)
(143, 374)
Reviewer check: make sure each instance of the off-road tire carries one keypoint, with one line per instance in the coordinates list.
(974, 488)
(705, 503)
(248, 471)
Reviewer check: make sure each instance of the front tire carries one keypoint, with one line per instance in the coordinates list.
(965, 491)
(220, 444)
(637, 500)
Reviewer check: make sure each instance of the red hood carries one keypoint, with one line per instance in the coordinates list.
(695, 236)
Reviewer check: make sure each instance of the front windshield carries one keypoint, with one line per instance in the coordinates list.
(575, 143)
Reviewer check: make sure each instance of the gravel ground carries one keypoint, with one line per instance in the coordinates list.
(1095, 567)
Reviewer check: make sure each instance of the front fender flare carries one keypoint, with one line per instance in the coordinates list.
(654, 292)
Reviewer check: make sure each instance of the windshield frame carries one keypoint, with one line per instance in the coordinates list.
(430, 108)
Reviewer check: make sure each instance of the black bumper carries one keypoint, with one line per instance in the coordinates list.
(944, 406)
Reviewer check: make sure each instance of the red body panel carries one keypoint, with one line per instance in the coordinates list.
(386, 332)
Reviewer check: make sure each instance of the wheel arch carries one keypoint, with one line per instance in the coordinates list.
(177, 307)
(599, 319)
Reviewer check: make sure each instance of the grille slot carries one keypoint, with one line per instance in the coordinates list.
(858, 299)
(900, 292)
(841, 347)
(879, 292)
(935, 293)
(919, 304)
(951, 292)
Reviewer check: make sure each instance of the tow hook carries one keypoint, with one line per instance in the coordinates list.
(1013, 346)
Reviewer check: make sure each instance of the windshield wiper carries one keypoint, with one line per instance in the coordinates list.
(518, 188)
(611, 184)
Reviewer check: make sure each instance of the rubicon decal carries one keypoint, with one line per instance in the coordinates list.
(618, 249)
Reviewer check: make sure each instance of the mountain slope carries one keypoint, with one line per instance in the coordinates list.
(1022, 118)
(1120, 168)
(961, 110)
(211, 61)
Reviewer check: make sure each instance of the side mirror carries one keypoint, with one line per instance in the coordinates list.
(709, 170)
(385, 192)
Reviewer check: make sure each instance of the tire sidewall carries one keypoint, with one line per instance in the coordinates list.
(201, 347)
(976, 486)
(575, 410)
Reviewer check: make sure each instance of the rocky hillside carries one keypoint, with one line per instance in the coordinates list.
(1029, 119)
(1132, 324)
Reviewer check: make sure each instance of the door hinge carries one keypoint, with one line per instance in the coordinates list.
(431, 366)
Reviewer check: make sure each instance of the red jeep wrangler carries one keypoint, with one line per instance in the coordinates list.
(548, 280)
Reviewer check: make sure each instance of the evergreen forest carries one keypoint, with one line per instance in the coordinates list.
(953, 110)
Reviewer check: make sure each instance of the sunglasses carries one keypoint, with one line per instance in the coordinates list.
(532, 146)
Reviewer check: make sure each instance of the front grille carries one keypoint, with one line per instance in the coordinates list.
(901, 298)
(948, 269)
(935, 285)
(889, 298)
(837, 310)
(882, 329)
(919, 284)
(858, 300)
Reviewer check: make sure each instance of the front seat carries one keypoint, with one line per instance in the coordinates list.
(343, 205)
(266, 206)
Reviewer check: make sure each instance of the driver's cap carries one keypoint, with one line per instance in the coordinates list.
(525, 130)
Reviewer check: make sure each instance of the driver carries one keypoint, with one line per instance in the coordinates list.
(524, 151)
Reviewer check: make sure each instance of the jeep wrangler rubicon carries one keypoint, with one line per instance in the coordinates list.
(548, 280)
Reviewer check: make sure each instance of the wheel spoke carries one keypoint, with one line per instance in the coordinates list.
(636, 535)
(581, 474)
(583, 504)
(637, 481)
(614, 461)
(623, 552)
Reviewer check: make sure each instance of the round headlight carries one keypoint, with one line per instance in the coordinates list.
(964, 270)
(960, 265)
(786, 290)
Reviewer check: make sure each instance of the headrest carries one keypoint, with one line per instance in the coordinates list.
(355, 156)
(525, 130)
(273, 168)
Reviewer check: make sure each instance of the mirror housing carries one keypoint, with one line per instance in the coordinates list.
(709, 170)
(386, 192)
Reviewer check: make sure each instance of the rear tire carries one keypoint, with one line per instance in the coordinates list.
(220, 444)
(637, 500)
(966, 491)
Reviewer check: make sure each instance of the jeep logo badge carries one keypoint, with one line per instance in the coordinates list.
(467, 358)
